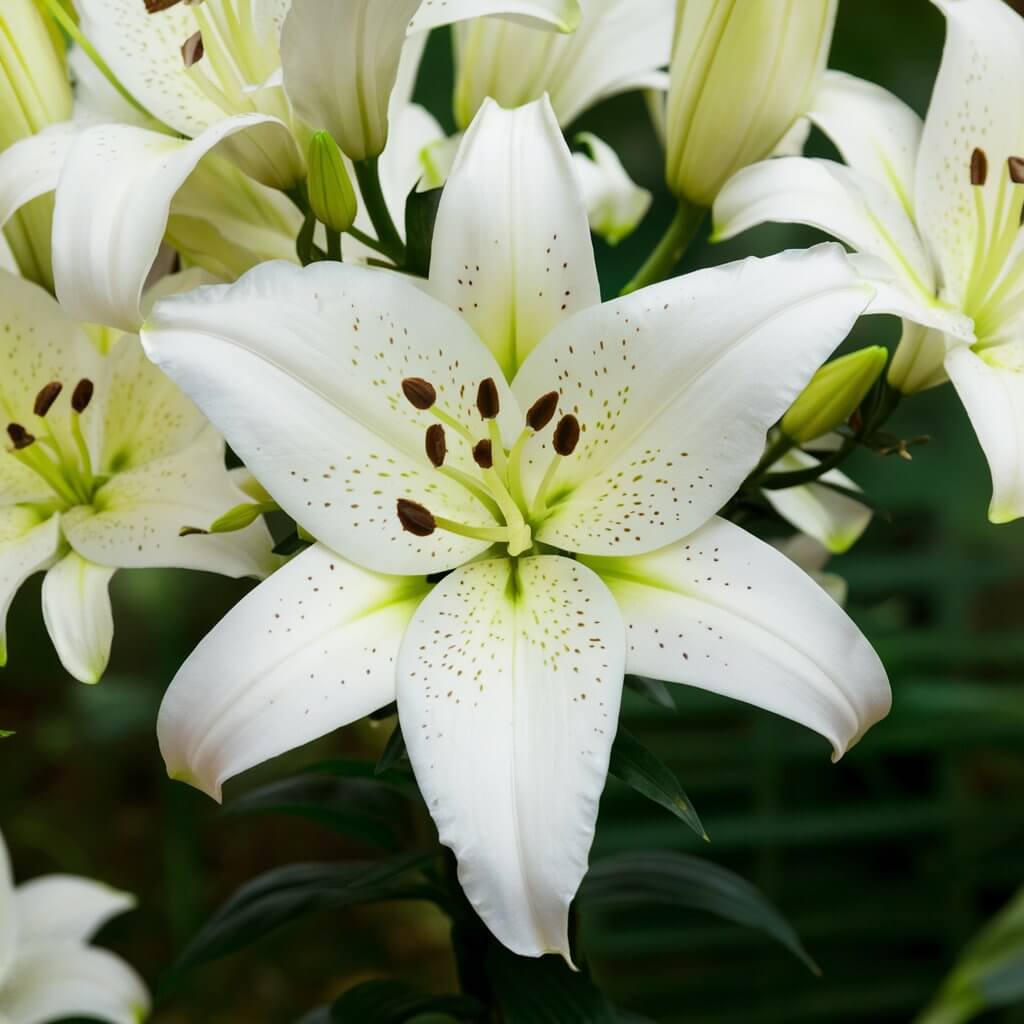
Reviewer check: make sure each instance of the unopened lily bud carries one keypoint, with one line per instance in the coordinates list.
(834, 394)
(331, 195)
(742, 75)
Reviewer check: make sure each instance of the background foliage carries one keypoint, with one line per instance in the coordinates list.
(886, 863)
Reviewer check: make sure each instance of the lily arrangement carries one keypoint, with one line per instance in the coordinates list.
(477, 496)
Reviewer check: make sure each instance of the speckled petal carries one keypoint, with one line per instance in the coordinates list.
(726, 612)
(135, 518)
(144, 51)
(512, 250)
(301, 369)
(509, 682)
(975, 104)
(675, 388)
(310, 650)
(31, 167)
(55, 980)
(29, 542)
(114, 198)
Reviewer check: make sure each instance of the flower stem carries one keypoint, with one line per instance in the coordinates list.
(390, 241)
(665, 258)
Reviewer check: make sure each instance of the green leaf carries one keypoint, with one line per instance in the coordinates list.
(369, 810)
(544, 991)
(635, 765)
(396, 1002)
(5, 734)
(284, 895)
(678, 881)
(394, 751)
(420, 214)
(989, 974)
(291, 545)
(654, 690)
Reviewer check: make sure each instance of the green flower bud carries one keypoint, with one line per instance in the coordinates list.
(834, 394)
(742, 74)
(331, 195)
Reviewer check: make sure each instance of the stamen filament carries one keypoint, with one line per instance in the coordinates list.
(498, 448)
(519, 537)
(474, 487)
(83, 453)
(540, 502)
(37, 461)
(515, 468)
(494, 534)
(450, 421)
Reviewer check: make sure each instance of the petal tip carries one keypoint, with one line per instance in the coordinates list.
(190, 778)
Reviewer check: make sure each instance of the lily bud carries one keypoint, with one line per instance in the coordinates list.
(742, 74)
(331, 195)
(834, 394)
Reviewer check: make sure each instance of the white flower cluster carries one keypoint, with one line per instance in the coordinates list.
(513, 493)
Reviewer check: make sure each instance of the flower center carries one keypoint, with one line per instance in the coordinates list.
(499, 483)
(231, 56)
(994, 291)
(66, 467)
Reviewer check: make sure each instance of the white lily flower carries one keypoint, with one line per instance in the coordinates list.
(812, 557)
(562, 467)
(935, 211)
(48, 970)
(252, 80)
(107, 460)
(619, 45)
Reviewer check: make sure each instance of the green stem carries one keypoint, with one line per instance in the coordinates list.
(304, 243)
(370, 243)
(665, 258)
(390, 241)
(334, 245)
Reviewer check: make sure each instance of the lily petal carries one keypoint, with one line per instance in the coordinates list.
(54, 980)
(619, 45)
(114, 197)
(831, 518)
(512, 250)
(562, 15)
(301, 369)
(827, 195)
(135, 519)
(726, 612)
(144, 52)
(31, 167)
(340, 60)
(78, 616)
(28, 543)
(8, 920)
(509, 682)
(676, 387)
(974, 105)
(993, 395)
(877, 134)
(615, 203)
(66, 907)
(308, 651)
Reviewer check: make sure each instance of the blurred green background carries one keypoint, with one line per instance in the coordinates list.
(886, 863)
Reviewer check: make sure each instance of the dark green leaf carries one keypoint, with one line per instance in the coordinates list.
(382, 714)
(287, 894)
(366, 809)
(420, 214)
(394, 751)
(544, 991)
(290, 545)
(4, 734)
(676, 881)
(395, 1002)
(635, 765)
(628, 1017)
(654, 690)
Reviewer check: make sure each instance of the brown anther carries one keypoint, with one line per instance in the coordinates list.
(82, 395)
(567, 435)
(192, 49)
(19, 436)
(437, 445)
(487, 400)
(415, 519)
(193, 531)
(46, 397)
(156, 6)
(542, 412)
(1016, 168)
(420, 393)
(483, 454)
(979, 167)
